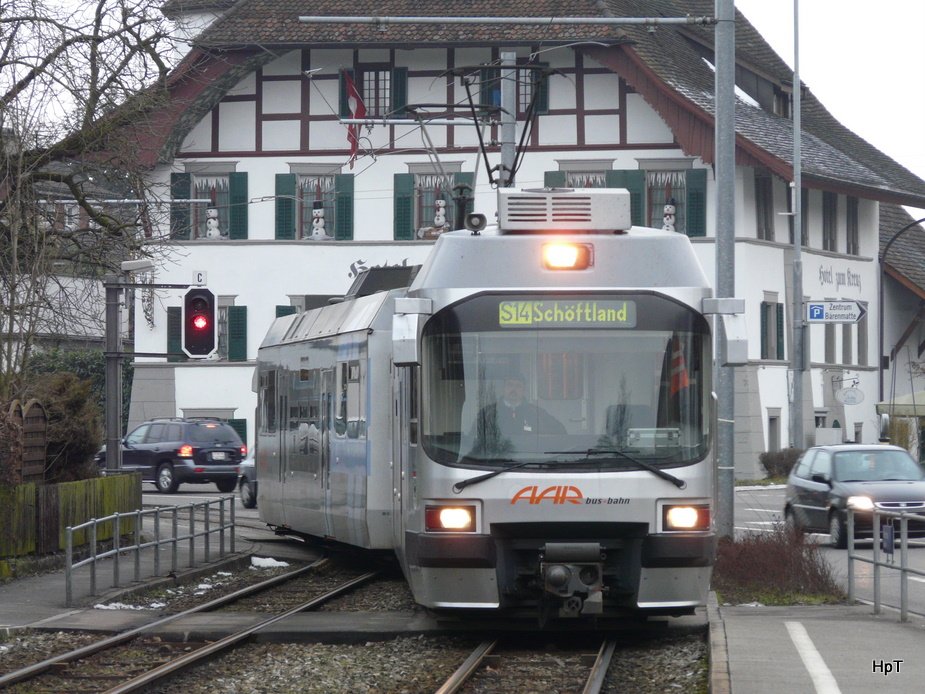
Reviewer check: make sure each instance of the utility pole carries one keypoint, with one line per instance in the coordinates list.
(796, 358)
(725, 261)
(113, 286)
(508, 118)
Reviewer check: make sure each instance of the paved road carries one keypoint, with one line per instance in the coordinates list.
(758, 509)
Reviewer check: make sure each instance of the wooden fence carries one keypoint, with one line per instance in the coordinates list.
(33, 517)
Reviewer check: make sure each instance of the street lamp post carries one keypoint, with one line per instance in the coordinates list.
(880, 261)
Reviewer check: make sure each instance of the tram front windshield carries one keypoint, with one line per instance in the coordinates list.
(585, 382)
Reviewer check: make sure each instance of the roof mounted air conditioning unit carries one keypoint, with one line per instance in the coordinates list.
(563, 210)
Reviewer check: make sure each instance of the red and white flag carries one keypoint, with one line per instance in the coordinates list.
(357, 110)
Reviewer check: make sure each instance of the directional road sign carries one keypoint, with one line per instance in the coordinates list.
(834, 311)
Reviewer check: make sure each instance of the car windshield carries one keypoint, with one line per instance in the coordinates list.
(214, 433)
(872, 465)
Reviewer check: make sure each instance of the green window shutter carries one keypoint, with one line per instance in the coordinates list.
(343, 106)
(780, 331)
(399, 95)
(554, 179)
(240, 426)
(696, 211)
(237, 215)
(179, 212)
(343, 207)
(764, 329)
(237, 333)
(284, 310)
(634, 180)
(285, 206)
(174, 317)
(403, 207)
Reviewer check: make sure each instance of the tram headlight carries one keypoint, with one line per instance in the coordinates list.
(686, 517)
(564, 255)
(449, 518)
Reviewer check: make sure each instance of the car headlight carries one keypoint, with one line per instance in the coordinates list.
(860, 503)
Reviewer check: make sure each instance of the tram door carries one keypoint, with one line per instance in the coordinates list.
(328, 400)
(400, 449)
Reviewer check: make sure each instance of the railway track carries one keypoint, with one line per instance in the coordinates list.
(487, 669)
(118, 657)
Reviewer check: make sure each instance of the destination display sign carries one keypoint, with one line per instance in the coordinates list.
(567, 313)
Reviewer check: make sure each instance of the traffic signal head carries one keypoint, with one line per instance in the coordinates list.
(199, 334)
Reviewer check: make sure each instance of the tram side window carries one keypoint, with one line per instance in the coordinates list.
(413, 406)
(349, 420)
(268, 400)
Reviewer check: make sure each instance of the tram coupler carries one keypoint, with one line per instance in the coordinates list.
(574, 572)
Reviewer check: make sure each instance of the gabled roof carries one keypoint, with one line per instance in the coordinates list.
(664, 65)
(905, 259)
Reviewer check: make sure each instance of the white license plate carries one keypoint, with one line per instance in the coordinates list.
(219, 455)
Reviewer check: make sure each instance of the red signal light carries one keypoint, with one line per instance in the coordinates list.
(200, 322)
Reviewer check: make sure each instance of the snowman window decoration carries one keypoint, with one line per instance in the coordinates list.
(212, 227)
(318, 232)
(440, 224)
(668, 219)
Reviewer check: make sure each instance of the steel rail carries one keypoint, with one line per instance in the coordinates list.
(37, 669)
(173, 666)
(595, 681)
(462, 674)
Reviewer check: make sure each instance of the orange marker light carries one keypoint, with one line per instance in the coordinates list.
(562, 255)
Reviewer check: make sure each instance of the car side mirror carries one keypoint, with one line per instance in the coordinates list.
(821, 479)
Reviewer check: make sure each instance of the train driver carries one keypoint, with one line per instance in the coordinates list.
(513, 416)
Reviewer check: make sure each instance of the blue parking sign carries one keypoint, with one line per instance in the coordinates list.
(816, 311)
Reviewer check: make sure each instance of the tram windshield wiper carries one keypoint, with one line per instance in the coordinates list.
(658, 472)
(462, 484)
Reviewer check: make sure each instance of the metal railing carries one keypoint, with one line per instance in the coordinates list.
(884, 543)
(198, 518)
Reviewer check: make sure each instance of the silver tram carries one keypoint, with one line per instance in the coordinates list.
(384, 420)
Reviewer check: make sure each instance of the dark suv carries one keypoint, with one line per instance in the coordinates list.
(169, 452)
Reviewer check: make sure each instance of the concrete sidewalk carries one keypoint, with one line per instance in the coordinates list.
(830, 648)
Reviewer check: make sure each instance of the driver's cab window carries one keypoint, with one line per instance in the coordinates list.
(138, 435)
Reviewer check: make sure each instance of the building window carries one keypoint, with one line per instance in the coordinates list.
(382, 88)
(846, 343)
(208, 204)
(375, 90)
(317, 207)
(433, 206)
(424, 204)
(314, 203)
(851, 227)
(665, 188)
(764, 206)
(804, 214)
(529, 80)
(829, 221)
(830, 343)
(772, 330)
